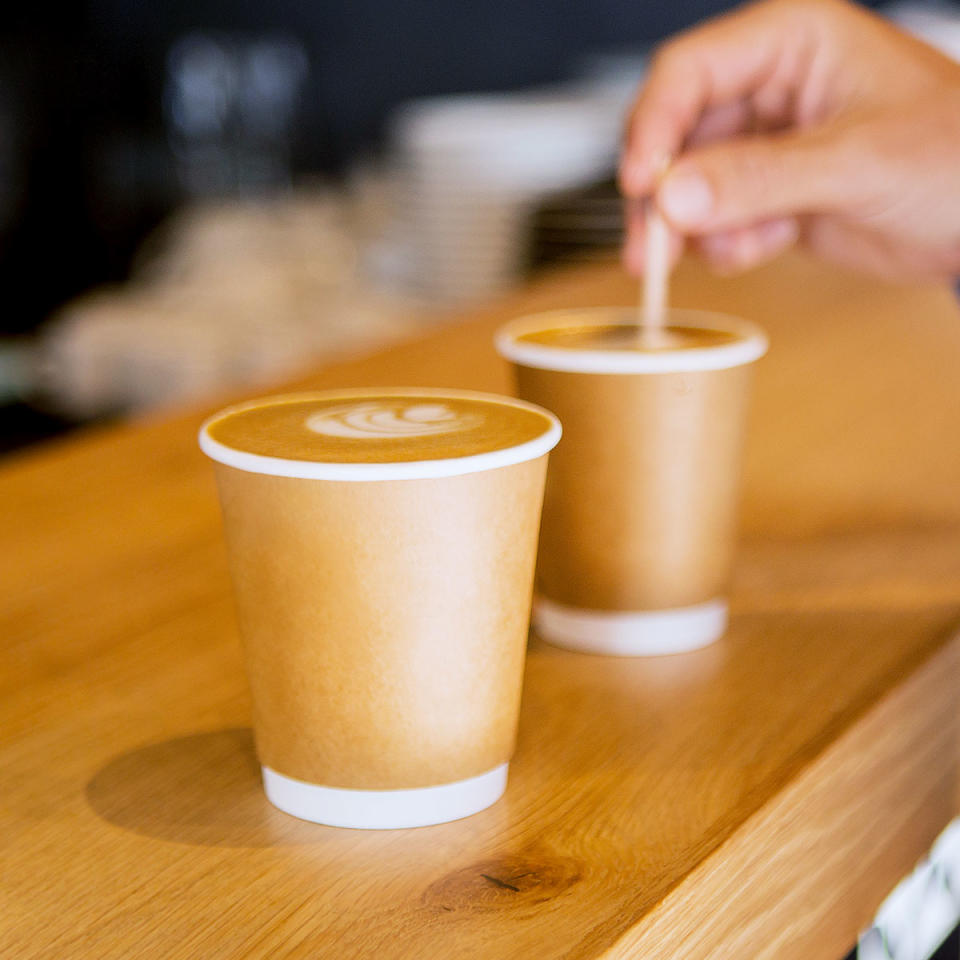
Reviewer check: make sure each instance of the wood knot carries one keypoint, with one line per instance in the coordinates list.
(503, 882)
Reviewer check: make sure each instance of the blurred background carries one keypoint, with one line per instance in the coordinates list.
(203, 196)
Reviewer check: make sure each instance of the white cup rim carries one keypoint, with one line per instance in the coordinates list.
(751, 346)
(405, 470)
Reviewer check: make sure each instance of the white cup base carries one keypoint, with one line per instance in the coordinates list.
(628, 633)
(384, 809)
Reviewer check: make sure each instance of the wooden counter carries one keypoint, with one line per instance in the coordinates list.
(755, 799)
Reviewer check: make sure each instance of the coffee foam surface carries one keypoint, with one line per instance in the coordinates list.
(378, 434)
(610, 340)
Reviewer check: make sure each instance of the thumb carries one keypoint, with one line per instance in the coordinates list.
(727, 185)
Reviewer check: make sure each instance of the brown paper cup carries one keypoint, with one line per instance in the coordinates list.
(384, 609)
(640, 510)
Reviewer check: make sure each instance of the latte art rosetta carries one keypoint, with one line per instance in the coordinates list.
(389, 420)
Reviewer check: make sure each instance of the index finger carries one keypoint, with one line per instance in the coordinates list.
(722, 62)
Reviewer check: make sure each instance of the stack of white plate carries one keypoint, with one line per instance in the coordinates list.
(470, 169)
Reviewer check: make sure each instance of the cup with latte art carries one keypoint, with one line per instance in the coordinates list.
(639, 517)
(382, 546)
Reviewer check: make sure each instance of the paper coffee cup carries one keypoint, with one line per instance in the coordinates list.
(382, 546)
(639, 517)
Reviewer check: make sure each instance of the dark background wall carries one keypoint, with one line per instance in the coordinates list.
(85, 167)
(369, 54)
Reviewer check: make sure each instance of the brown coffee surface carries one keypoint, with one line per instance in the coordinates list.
(379, 427)
(629, 337)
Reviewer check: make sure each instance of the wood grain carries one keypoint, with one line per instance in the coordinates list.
(753, 799)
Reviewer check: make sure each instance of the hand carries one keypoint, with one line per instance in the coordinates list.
(800, 119)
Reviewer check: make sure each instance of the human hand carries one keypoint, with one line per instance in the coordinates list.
(800, 119)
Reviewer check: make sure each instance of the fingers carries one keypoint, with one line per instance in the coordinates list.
(726, 186)
(728, 252)
(850, 244)
(727, 60)
(737, 250)
(721, 123)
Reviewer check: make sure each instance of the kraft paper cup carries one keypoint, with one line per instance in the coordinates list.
(639, 517)
(383, 606)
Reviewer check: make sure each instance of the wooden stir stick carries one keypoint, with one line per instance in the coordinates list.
(654, 288)
(657, 271)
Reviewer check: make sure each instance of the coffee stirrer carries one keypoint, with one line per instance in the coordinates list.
(656, 276)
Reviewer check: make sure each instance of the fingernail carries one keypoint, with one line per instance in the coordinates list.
(686, 198)
(717, 246)
(748, 249)
(778, 233)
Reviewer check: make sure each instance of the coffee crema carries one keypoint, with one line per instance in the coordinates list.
(609, 340)
(629, 337)
(378, 427)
